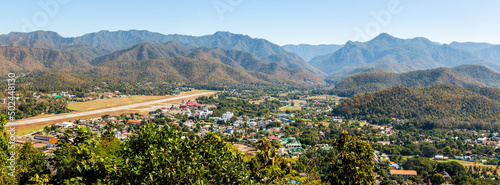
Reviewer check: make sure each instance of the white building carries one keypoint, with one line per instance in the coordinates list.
(252, 124)
(204, 113)
(66, 124)
(227, 115)
(188, 112)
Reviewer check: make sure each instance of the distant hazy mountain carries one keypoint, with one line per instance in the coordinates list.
(307, 51)
(467, 76)
(26, 59)
(484, 51)
(397, 55)
(107, 41)
(491, 53)
(336, 78)
(470, 46)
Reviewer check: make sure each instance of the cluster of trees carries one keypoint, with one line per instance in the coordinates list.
(29, 106)
(48, 82)
(240, 107)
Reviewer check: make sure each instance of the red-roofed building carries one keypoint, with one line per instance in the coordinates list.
(192, 103)
(189, 104)
(134, 122)
(273, 138)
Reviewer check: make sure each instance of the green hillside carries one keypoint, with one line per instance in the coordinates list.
(26, 59)
(467, 76)
(445, 102)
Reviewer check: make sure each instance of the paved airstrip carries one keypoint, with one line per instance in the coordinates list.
(69, 116)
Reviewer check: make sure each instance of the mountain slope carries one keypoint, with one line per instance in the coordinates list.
(397, 55)
(53, 41)
(307, 52)
(234, 58)
(482, 74)
(470, 46)
(491, 53)
(467, 76)
(484, 51)
(26, 59)
(447, 102)
(145, 51)
(261, 48)
(199, 68)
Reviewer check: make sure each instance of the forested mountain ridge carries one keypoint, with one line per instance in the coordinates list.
(445, 102)
(467, 76)
(26, 59)
(176, 70)
(145, 51)
(234, 58)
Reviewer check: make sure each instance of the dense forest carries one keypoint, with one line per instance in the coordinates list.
(468, 76)
(445, 102)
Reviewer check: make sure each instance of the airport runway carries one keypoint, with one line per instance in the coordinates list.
(69, 116)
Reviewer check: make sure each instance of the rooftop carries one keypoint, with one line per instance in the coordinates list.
(403, 172)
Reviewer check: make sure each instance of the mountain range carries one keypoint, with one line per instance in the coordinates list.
(106, 42)
(173, 56)
(384, 56)
(396, 55)
(158, 63)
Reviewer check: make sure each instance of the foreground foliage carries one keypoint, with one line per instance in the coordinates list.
(353, 163)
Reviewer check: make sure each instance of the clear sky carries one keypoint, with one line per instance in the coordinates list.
(279, 21)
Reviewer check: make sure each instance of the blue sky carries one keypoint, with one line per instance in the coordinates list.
(279, 21)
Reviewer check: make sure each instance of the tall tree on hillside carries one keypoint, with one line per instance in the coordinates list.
(30, 163)
(353, 163)
(267, 167)
(4, 153)
(163, 157)
(77, 162)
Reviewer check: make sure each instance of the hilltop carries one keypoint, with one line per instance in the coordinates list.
(445, 102)
(467, 76)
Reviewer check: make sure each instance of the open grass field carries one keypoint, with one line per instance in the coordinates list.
(196, 91)
(292, 108)
(325, 97)
(261, 100)
(469, 163)
(296, 106)
(112, 102)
